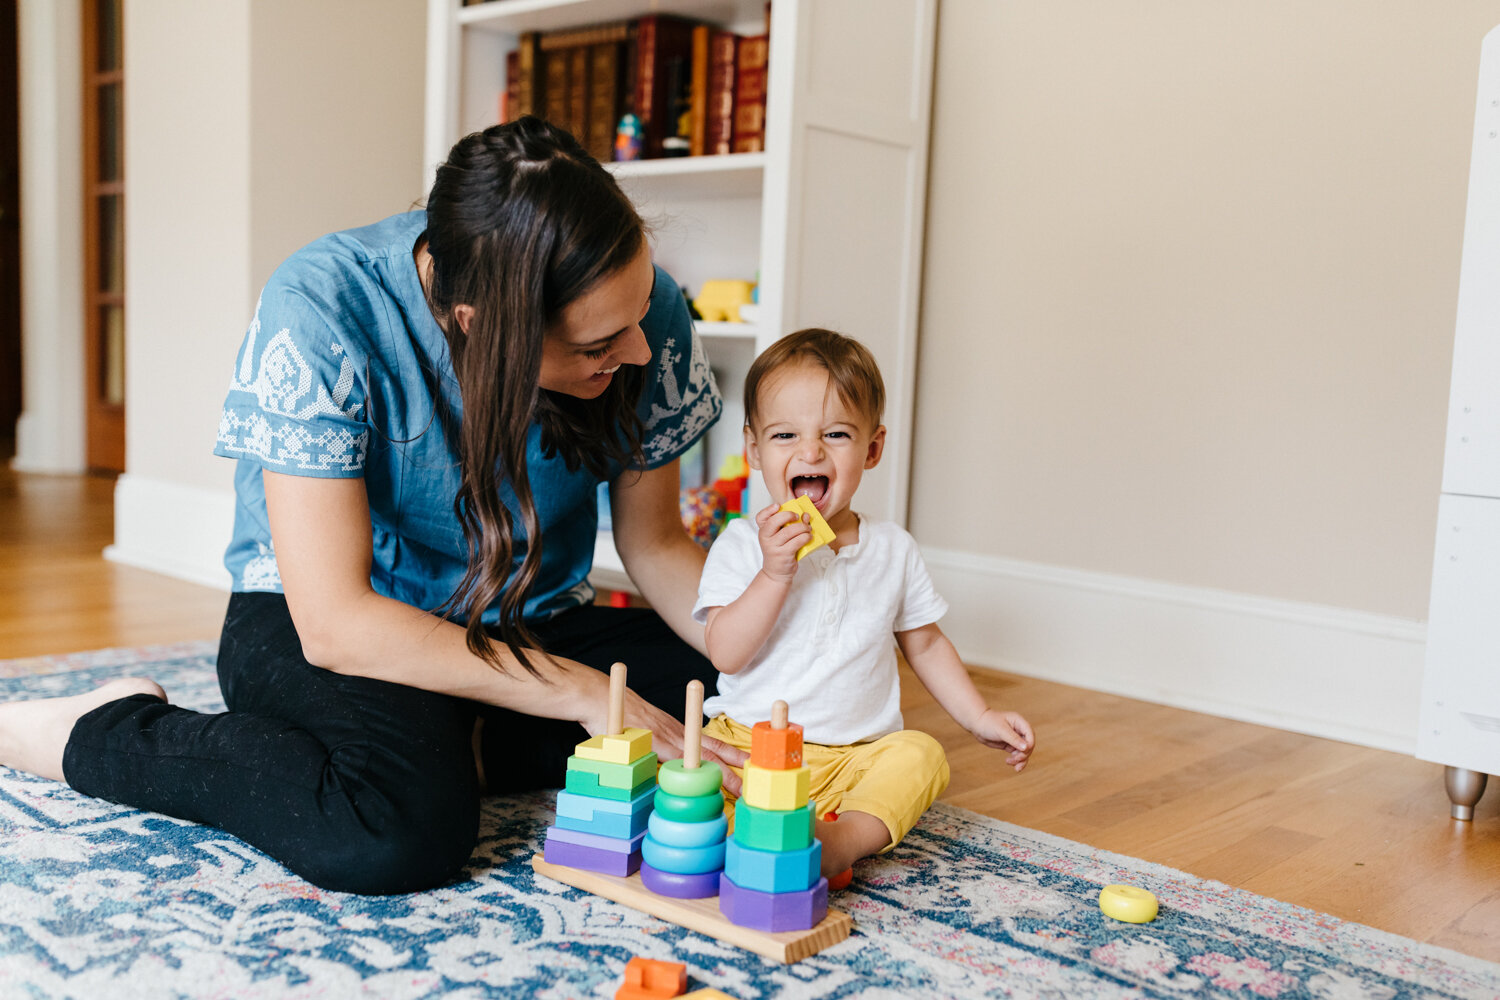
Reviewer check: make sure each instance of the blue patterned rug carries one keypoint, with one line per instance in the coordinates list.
(97, 900)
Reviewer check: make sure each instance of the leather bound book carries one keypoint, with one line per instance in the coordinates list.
(662, 42)
(750, 95)
(723, 53)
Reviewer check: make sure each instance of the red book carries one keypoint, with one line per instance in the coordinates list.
(664, 45)
(750, 95)
(509, 100)
(723, 53)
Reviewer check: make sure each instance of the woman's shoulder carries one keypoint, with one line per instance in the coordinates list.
(347, 278)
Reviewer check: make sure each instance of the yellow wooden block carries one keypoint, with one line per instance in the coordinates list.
(707, 993)
(767, 788)
(822, 534)
(623, 748)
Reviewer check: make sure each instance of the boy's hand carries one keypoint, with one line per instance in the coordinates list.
(781, 534)
(1006, 731)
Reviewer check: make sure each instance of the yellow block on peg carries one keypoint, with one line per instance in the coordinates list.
(622, 748)
(822, 534)
(776, 790)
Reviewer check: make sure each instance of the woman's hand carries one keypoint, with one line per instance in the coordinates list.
(666, 734)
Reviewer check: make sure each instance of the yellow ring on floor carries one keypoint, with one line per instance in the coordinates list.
(1128, 903)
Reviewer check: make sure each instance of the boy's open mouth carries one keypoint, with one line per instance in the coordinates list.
(813, 486)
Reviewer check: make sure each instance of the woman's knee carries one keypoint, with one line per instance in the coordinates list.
(396, 857)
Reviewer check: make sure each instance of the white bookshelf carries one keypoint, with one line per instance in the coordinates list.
(830, 216)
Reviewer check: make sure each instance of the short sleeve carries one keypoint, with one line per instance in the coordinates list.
(921, 604)
(294, 403)
(732, 563)
(681, 400)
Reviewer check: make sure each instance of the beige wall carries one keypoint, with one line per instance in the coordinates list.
(1190, 289)
(253, 127)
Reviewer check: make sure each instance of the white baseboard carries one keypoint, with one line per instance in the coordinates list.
(1345, 675)
(181, 531)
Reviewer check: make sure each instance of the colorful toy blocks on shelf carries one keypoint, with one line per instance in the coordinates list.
(603, 810)
(771, 864)
(822, 534)
(683, 851)
(650, 979)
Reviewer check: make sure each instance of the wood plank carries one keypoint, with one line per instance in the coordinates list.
(702, 915)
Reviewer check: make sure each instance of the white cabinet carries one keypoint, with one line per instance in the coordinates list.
(830, 216)
(1460, 712)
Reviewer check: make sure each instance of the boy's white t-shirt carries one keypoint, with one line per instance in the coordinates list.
(831, 655)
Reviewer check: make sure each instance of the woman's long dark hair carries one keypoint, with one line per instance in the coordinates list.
(521, 222)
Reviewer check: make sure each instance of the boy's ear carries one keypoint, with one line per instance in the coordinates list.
(877, 447)
(752, 452)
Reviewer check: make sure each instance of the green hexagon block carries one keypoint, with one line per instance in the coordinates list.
(771, 829)
(631, 775)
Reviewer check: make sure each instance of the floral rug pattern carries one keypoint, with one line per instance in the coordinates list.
(100, 900)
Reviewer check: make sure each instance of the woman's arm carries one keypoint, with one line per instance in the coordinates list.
(322, 536)
(658, 554)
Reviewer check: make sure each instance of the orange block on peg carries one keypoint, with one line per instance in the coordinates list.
(649, 979)
(776, 749)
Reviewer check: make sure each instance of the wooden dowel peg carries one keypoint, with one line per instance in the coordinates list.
(778, 715)
(692, 725)
(616, 699)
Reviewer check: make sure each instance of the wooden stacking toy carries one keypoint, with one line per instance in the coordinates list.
(603, 809)
(683, 853)
(822, 534)
(771, 875)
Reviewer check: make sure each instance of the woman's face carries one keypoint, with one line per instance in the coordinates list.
(600, 331)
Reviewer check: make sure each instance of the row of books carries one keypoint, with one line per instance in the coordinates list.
(696, 89)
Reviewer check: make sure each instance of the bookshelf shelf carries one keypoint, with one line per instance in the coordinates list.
(733, 175)
(515, 16)
(829, 216)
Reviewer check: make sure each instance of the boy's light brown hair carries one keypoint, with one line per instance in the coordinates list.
(852, 371)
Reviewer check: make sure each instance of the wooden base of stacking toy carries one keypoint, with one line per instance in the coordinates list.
(702, 915)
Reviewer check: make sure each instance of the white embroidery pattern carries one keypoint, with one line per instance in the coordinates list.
(697, 406)
(261, 572)
(283, 387)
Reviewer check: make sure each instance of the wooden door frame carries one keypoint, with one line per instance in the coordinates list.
(104, 419)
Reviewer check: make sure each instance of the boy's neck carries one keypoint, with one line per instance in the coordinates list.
(845, 525)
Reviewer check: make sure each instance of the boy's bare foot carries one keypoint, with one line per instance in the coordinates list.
(852, 836)
(33, 734)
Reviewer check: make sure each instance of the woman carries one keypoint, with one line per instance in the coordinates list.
(421, 412)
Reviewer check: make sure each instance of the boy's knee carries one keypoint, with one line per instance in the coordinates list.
(918, 754)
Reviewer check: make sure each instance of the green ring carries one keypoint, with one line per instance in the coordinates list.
(682, 809)
(674, 779)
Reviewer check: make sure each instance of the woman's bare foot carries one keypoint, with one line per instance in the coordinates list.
(852, 836)
(33, 734)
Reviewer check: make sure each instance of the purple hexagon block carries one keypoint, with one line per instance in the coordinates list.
(773, 911)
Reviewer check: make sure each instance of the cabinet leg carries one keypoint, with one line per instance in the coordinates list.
(1464, 789)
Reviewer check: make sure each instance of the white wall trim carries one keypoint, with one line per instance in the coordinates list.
(50, 435)
(1345, 675)
(169, 528)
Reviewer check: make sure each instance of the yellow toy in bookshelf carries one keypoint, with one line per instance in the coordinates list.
(822, 534)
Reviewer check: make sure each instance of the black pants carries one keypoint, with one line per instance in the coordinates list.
(355, 784)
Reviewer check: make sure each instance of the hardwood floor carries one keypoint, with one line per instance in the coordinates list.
(1362, 834)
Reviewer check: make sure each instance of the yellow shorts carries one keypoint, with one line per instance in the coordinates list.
(894, 778)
